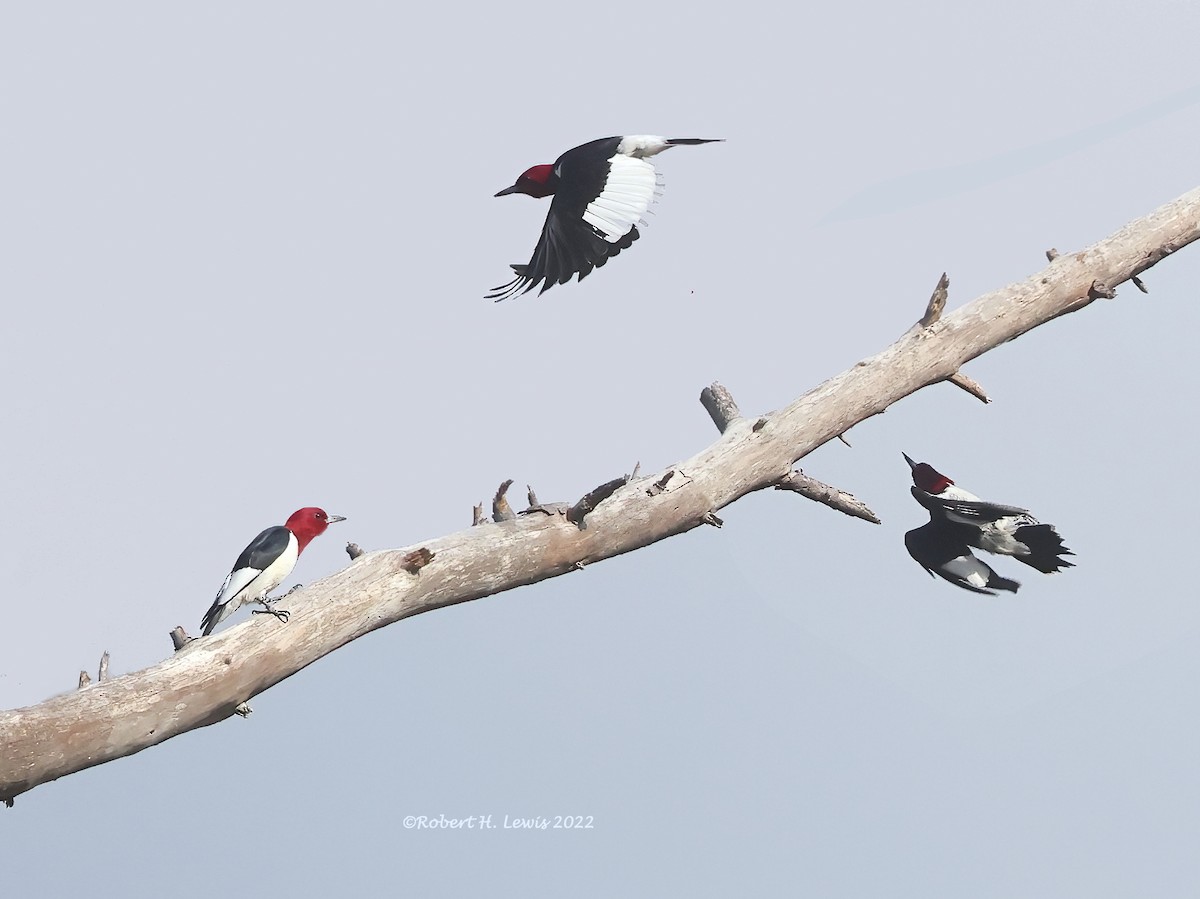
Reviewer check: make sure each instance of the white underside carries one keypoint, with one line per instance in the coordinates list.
(252, 585)
(627, 194)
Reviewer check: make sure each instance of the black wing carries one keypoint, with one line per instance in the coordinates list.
(264, 549)
(968, 511)
(568, 246)
(942, 550)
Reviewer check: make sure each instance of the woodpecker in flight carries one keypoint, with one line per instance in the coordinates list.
(265, 563)
(601, 191)
(959, 519)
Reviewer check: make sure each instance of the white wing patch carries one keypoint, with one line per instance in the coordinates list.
(628, 192)
(237, 582)
(969, 569)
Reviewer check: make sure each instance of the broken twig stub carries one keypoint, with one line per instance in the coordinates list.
(720, 405)
(970, 385)
(593, 498)
(937, 302)
(501, 510)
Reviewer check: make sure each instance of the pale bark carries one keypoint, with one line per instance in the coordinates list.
(209, 679)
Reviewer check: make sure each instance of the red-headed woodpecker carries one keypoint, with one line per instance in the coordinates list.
(601, 191)
(265, 563)
(1004, 530)
(941, 548)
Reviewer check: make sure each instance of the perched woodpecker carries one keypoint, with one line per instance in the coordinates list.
(601, 191)
(1004, 530)
(942, 548)
(265, 563)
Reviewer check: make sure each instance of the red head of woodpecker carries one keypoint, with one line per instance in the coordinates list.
(926, 477)
(601, 191)
(1004, 530)
(265, 563)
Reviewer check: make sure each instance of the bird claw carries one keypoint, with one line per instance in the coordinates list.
(282, 614)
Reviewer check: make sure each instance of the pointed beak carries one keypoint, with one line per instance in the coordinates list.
(334, 519)
(506, 191)
(911, 463)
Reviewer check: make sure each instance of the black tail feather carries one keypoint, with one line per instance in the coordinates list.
(1045, 548)
(1002, 583)
(210, 619)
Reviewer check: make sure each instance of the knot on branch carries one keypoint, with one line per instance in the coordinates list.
(661, 484)
(414, 561)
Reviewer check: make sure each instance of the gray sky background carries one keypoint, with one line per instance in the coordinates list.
(245, 250)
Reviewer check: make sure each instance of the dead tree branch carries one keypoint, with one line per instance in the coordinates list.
(208, 679)
(970, 385)
(799, 482)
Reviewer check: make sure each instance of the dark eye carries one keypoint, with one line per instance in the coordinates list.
(318, 514)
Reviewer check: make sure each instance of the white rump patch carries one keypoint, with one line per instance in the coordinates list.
(628, 192)
(639, 145)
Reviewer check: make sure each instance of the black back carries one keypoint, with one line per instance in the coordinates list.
(264, 549)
